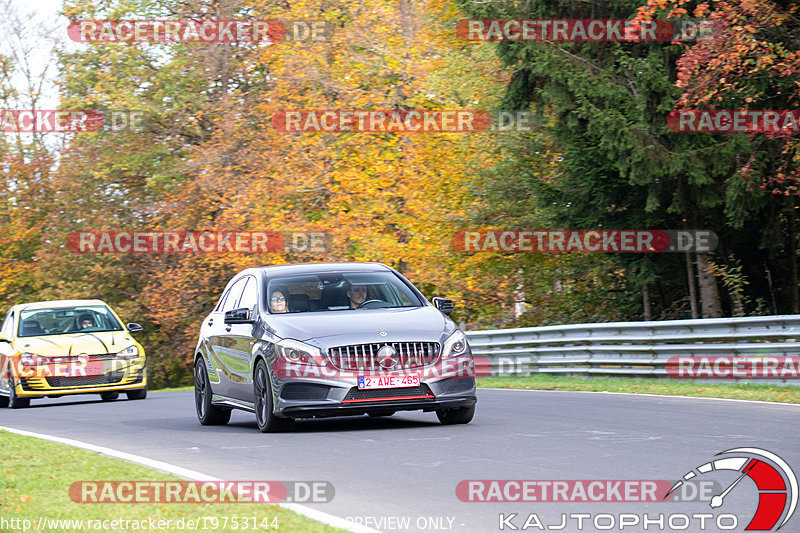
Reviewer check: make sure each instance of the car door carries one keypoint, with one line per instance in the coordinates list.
(242, 342)
(220, 344)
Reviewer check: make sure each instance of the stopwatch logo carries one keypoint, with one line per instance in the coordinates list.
(776, 482)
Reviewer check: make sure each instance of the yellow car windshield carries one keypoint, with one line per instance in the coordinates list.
(61, 320)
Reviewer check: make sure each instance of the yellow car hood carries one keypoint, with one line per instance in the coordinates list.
(93, 343)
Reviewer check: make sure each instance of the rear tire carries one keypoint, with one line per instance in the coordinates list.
(459, 415)
(138, 394)
(14, 401)
(3, 401)
(109, 396)
(262, 387)
(207, 414)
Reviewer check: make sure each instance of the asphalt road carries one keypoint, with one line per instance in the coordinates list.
(400, 473)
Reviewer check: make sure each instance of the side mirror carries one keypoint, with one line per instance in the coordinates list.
(133, 327)
(444, 305)
(239, 316)
(3, 338)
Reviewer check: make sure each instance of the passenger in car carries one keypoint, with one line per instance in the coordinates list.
(277, 302)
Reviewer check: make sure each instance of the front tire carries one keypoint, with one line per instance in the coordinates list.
(14, 401)
(207, 414)
(109, 396)
(138, 394)
(265, 418)
(459, 415)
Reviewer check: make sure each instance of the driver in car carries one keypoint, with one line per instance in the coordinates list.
(86, 321)
(357, 295)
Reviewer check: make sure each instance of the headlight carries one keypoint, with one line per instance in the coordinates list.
(299, 352)
(130, 351)
(455, 345)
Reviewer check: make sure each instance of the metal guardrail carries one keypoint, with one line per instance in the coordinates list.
(640, 349)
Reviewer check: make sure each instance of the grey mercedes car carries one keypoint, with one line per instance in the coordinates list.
(330, 339)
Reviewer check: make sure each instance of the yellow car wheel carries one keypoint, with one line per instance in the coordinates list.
(138, 394)
(14, 401)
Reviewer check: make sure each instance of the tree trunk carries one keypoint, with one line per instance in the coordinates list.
(709, 294)
(648, 315)
(519, 295)
(692, 289)
(793, 290)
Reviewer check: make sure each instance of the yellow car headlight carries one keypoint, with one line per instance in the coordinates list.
(130, 351)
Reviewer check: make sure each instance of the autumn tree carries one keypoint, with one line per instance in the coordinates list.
(749, 59)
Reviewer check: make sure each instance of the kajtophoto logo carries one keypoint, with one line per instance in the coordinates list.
(774, 478)
(772, 497)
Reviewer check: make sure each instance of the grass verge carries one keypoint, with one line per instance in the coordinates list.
(738, 391)
(37, 474)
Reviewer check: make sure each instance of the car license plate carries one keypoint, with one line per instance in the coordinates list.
(388, 382)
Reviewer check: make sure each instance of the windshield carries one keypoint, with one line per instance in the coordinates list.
(338, 291)
(55, 321)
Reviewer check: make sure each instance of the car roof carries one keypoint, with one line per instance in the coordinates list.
(307, 268)
(58, 303)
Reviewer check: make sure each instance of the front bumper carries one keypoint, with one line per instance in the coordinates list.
(120, 376)
(298, 399)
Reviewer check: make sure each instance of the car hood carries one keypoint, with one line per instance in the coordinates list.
(99, 342)
(364, 325)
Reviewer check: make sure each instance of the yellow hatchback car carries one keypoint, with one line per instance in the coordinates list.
(68, 347)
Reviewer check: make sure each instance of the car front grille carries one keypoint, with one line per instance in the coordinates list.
(87, 381)
(28, 384)
(403, 393)
(364, 357)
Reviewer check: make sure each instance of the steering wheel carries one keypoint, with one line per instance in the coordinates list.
(364, 303)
